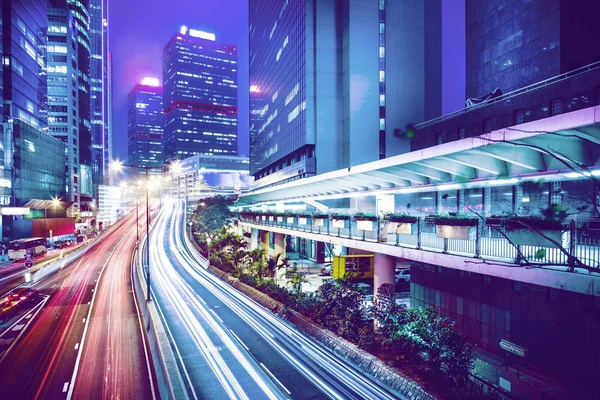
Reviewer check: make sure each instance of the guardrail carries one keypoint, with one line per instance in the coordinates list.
(485, 242)
(168, 379)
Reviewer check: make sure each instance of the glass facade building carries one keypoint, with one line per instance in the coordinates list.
(332, 82)
(100, 86)
(145, 126)
(34, 179)
(24, 61)
(199, 96)
(519, 43)
(63, 100)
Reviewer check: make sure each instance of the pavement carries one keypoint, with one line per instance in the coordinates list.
(227, 345)
(41, 360)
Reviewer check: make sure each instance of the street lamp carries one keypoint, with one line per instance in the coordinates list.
(55, 203)
(208, 249)
(118, 166)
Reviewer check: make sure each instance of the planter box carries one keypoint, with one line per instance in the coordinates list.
(264, 217)
(403, 228)
(302, 220)
(365, 225)
(290, 220)
(339, 223)
(318, 222)
(279, 219)
(528, 237)
(454, 232)
(271, 218)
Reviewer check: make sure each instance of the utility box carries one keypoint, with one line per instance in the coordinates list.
(356, 265)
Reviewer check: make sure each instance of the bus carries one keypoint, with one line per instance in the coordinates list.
(18, 249)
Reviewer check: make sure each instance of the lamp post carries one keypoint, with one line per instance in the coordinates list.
(55, 203)
(208, 249)
(117, 165)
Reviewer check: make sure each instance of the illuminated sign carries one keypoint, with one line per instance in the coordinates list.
(147, 81)
(14, 211)
(183, 30)
(203, 35)
(513, 348)
(254, 89)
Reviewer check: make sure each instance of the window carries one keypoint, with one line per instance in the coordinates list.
(461, 132)
(519, 116)
(487, 125)
(556, 107)
(440, 138)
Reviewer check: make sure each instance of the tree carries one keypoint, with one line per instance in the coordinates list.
(256, 262)
(276, 263)
(341, 307)
(212, 214)
(295, 278)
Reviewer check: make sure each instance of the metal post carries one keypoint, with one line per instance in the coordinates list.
(147, 238)
(418, 232)
(45, 220)
(137, 215)
(477, 240)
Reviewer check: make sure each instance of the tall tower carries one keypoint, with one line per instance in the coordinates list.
(100, 92)
(145, 124)
(331, 82)
(199, 95)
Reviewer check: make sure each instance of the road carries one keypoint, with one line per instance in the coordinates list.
(41, 361)
(227, 345)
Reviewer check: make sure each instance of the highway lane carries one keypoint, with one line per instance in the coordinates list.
(294, 363)
(113, 362)
(41, 363)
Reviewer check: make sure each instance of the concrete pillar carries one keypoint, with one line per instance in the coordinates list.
(264, 240)
(554, 194)
(320, 256)
(254, 239)
(279, 243)
(385, 270)
(517, 198)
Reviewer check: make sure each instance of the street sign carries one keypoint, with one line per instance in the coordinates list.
(28, 264)
(513, 348)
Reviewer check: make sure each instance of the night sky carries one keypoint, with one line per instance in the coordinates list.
(139, 30)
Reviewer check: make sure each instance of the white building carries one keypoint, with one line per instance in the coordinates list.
(109, 202)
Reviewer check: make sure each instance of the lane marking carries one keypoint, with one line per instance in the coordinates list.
(275, 378)
(219, 318)
(28, 316)
(239, 340)
(65, 386)
(76, 346)
(18, 328)
(87, 321)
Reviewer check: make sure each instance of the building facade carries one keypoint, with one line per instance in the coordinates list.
(39, 164)
(24, 62)
(145, 125)
(207, 175)
(324, 74)
(513, 44)
(199, 95)
(101, 91)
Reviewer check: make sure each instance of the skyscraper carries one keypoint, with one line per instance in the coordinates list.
(331, 82)
(515, 43)
(24, 61)
(100, 91)
(145, 124)
(199, 95)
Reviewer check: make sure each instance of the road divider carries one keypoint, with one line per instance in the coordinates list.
(168, 378)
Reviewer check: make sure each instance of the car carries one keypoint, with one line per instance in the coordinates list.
(59, 244)
(403, 275)
(326, 270)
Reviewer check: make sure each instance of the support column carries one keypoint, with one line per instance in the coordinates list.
(279, 244)
(487, 202)
(254, 239)
(264, 240)
(385, 270)
(320, 256)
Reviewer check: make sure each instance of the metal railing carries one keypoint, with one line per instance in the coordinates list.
(486, 242)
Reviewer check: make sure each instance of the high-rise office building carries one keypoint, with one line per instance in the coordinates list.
(24, 61)
(100, 91)
(331, 82)
(199, 95)
(69, 93)
(516, 43)
(144, 124)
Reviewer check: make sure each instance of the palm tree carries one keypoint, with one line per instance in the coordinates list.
(296, 279)
(256, 261)
(274, 264)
